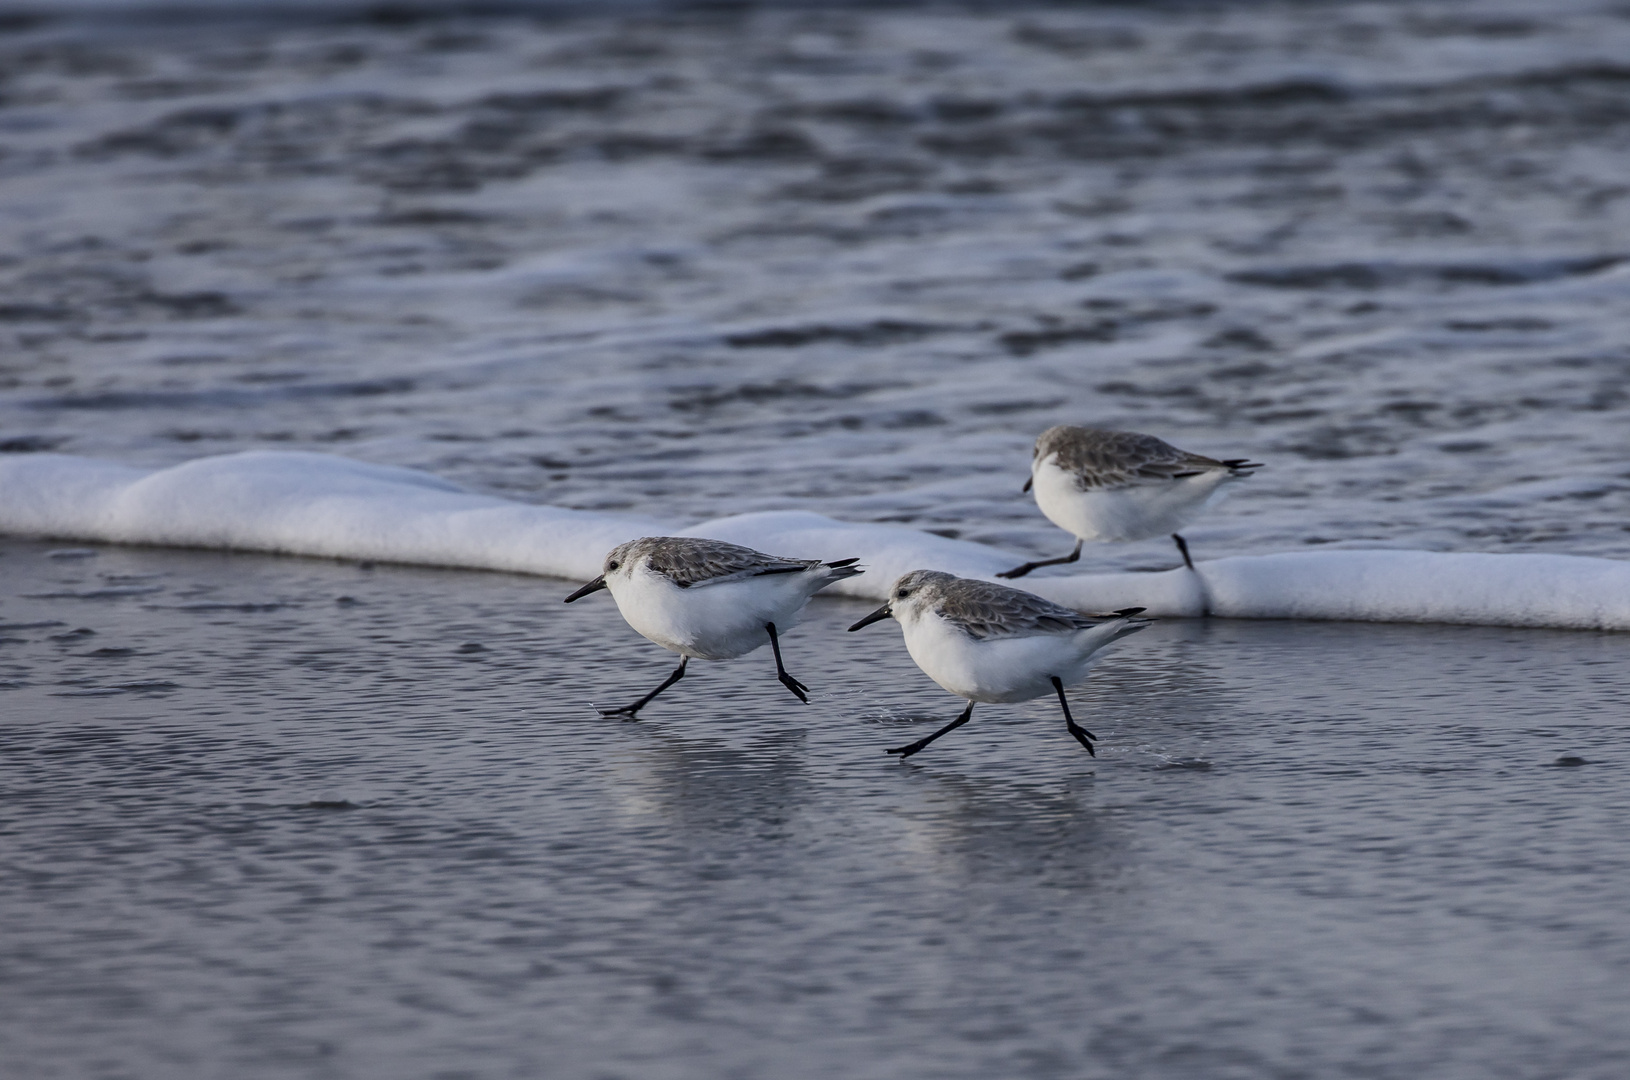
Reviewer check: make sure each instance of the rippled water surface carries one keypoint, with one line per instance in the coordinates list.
(700, 264)
(273, 817)
(268, 818)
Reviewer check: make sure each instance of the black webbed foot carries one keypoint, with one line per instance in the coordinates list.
(1021, 571)
(627, 711)
(1082, 735)
(799, 690)
(911, 748)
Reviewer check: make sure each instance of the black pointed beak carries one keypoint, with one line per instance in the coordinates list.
(1027, 484)
(594, 586)
(877, 616)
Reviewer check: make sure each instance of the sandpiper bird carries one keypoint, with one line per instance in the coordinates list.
(1119, 485)
(988, 642)
(710, 600)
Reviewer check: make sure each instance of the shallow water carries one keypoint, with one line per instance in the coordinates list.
(272, 817)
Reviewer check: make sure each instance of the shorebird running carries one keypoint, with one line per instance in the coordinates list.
(710, 600)
(988, 642)
(1119, 485)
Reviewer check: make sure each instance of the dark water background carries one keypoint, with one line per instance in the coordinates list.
(280, 817)
(851, 260)
(290, 818)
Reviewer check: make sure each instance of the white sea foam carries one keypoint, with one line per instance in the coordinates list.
(319, 504)
(305, 504)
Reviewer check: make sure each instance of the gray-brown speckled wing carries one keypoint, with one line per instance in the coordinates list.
(688, 562)
(1112, 459)
(986, 610)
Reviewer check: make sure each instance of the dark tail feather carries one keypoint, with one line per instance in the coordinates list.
(844, 566)
(1127, 612)
(1243, 465)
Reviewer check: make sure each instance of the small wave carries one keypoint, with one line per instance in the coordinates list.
(114, 592)
(30, 444)
(318, 504)
(1387, 274)
(187, 399)
(880, 332)
(245, 608)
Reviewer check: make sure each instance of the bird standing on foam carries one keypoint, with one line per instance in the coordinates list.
(1119, 485)
(991, 643)
(710, 600)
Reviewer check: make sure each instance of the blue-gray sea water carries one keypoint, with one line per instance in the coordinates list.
(265, 818)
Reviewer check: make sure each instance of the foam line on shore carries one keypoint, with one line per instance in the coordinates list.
(301, 503)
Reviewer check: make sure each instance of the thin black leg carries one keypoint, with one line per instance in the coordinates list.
(907, 751)
(799, 690)
(630, 710)
(1082, 735)
(1021, 571)
(1183, 546)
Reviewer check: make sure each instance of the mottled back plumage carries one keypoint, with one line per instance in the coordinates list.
(1111, 459)
(985, 610)
(687, 561)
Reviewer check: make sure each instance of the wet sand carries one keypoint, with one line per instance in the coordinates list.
(273, 817)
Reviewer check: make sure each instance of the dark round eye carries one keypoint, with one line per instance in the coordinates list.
(611, 566)
(903, 593)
